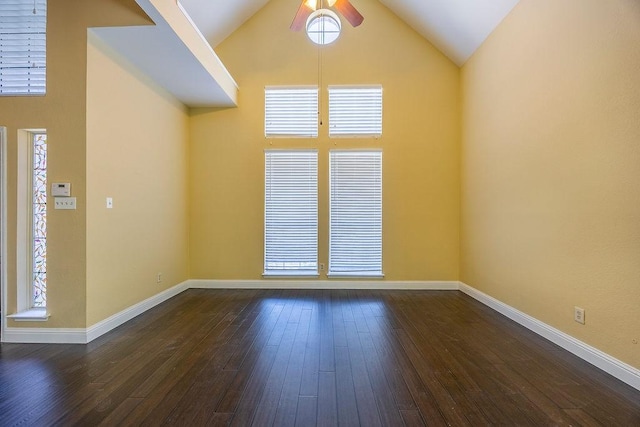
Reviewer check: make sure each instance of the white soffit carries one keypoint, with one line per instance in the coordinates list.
(175, 55)
(456, 27)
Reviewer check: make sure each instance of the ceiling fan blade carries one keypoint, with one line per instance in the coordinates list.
(301, 16)
(349, 12)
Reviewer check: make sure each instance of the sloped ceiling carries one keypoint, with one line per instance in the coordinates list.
(456, 27)
(178, 52)
(217, 19)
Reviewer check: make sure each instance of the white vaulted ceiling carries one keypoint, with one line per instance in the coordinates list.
(178, 52)
(217, 19)
(456, 27)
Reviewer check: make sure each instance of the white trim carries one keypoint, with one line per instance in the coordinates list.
(31, 315)
(323, 284)
(620, 370)
(24, 219)
(3, 228)
(127, 314)
(45, 336)
(82, 335)
(23, 222)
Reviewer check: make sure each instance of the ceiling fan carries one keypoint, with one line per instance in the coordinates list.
(307, 7)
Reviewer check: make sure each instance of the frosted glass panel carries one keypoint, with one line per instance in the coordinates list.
(39, 231)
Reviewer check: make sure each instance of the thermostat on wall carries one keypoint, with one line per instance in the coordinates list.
(61, 189)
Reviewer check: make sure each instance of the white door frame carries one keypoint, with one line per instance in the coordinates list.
(3, 230)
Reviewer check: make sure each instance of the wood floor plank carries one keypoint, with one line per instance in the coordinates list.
(119, 415)
(288, 402)
(326, 362)
(311, 363)
(327, 404)
(389, 364)
(245, 410)
(365, 396)
(268, 405)
(307, 410)
(412, 418)
(385, 401)
(200, 402)
(311, 357)
(345, 389)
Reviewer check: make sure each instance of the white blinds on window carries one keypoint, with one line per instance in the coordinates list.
(23, 47)
(355, 111)
(291, 112)
(291, 212)
(355, 213)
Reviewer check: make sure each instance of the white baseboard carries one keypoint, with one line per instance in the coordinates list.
(44, 335)
(323, 284)
(620, 370)
(127, 314)
(82, 335)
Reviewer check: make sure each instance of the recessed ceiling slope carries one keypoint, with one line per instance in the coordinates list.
(217, 19)
(456, 27)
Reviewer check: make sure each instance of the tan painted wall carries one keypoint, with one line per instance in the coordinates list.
(551, 168)
(62, 113)
(420, 143)
(136, 154)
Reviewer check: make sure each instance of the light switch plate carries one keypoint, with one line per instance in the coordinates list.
(65, 203)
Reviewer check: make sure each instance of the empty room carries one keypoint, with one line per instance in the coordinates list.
(320, 212)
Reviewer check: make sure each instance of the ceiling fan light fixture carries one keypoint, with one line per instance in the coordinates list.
(323, 27)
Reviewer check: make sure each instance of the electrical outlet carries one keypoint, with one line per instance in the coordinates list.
(159, 278)
(321, 265)
(578, 314)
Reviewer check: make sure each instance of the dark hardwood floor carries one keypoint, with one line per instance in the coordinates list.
(288, 357)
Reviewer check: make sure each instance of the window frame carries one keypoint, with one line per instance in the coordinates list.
(301, 101)
(340, 248)
(23, 48)
(24, 244)
(271, 215)
(355, 111)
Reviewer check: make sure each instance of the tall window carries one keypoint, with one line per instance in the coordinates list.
(355, 111)
(39, 220)
(291, 212)
(291, 112)
(23, 25)
(355, 213)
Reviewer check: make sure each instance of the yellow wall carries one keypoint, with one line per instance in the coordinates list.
(420, 143)
(136, 154)
(62, 113)
(551, 168)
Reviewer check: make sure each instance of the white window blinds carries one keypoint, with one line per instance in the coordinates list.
(291, 212)
(355, 111)
(291, 112)
(23, 25)
(355, 213)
